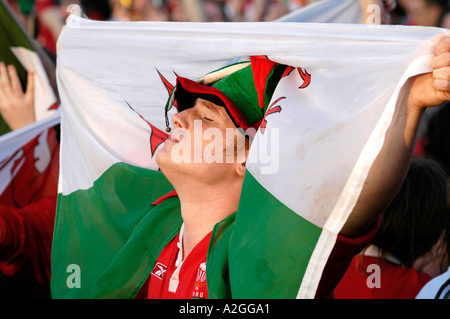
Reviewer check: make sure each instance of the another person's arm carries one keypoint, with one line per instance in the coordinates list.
(16, 106)
(390, 167)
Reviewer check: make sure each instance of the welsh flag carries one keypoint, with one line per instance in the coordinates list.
(29, 156)
(324, 126)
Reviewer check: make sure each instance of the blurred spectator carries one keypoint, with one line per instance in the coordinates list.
(438, 287)
(25, 233)
(25, 248)
(261, 10)
(434, 13)
(386, 6)
(144, 10)
(51, 16)
(95, 10)
(413, 241)
(436, 141)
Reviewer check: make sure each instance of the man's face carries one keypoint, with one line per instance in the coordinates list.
(203, 143)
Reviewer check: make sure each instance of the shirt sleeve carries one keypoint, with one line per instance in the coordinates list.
(340, 258)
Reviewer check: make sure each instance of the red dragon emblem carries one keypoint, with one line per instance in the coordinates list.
(157, 136)
(273, 108)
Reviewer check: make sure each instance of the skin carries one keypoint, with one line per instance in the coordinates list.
(208, 192)
(16, 106)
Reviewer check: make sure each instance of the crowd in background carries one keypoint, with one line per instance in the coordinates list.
(44, 20)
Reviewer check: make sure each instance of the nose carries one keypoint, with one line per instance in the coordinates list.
(179, 119)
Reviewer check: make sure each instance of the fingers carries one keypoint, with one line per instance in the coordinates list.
(16, 87)
(9, 80)
(441, 61)
(442, 46)
(5, 86)
(441, 65)
(29, 94)
(442, 73)
(442, 85)
(16, 107)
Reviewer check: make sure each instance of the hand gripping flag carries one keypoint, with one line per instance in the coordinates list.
(323, 127)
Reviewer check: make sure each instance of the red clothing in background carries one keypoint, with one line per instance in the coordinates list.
(25, 247)
(396, 281)
(340, 258)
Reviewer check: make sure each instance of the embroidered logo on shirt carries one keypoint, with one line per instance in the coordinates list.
(200, 282)
(159, 270)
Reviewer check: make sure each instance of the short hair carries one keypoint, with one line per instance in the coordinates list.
(419, 214)
(437, 141)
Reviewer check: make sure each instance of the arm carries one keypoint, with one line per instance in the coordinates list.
(391, 165)
(16, 107)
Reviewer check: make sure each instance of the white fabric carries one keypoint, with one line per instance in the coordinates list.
(44, 96)
(436, 288)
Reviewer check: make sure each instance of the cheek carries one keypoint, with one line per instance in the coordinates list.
(236, 148)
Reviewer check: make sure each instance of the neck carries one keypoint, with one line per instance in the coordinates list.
(202, 209)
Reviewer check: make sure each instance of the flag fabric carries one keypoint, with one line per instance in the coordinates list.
(308, 161)
(29, 156)
(29, 166)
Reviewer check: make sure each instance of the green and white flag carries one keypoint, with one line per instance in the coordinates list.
(322, 131)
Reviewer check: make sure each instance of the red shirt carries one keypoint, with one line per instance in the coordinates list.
(396, 281)
(340, 258)
(192, 276)
(186, 282)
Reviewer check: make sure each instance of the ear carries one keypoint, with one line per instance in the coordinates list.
(240, 169)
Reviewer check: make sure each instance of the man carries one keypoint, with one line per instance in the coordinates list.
(210, 192)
